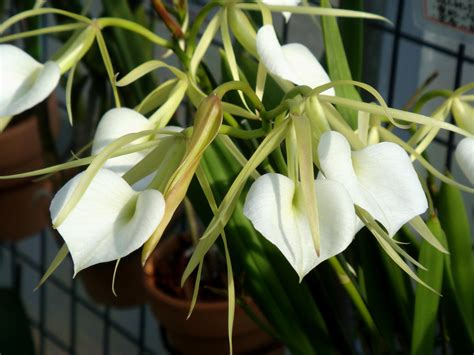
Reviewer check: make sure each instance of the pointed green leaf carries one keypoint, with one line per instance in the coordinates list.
(426, 302)
(454, 220)
(338, 66)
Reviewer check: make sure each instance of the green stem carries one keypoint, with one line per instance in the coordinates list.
(197, 24)
(222, 89)
(43, 31)
(36, 12)
(133, 27)
(284, 106)
(241, 133)
(353, 293)
(430, 96)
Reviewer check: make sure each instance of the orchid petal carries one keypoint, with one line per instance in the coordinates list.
(274, 207)
(306, 67)
(465, 157)
(285, 14)
(293, 62)
(110, 221)
(115, 123)
(380, 178)
(25, 82)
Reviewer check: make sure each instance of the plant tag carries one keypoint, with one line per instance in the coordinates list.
(455, 18)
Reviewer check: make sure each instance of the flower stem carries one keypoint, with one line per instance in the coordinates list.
(354, 294)
(241, 133)
(222, 89)
(133, 27)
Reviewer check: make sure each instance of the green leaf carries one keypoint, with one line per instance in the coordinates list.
(337, 63)
(455, 222)
(426, 302)
(352, 31)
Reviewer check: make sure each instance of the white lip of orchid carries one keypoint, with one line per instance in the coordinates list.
(275, 209)
(109, 222)
(25, 82)
(380, 178)
(465, 157)
(293, 62)
(116, 123)
(286, 14)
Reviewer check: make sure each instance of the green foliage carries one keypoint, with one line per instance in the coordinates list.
(426, 301)
(337, 63)
(453, 217)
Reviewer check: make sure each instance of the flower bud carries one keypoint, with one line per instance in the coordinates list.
(76, 48)
(242, 30)
(464, 115)
(207, 123)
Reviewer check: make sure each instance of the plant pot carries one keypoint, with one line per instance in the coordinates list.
(129, 284)
(205, 332)
(24, 204)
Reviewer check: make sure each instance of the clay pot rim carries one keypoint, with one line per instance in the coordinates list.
(150, 284)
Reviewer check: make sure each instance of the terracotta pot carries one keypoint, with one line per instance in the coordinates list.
(24, 205)
(205, 332)
(129, 284)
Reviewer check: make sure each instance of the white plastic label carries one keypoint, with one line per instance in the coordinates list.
(452, 18)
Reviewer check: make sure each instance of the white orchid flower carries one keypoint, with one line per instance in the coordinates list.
(24, 82)
(286, 14)
(275, 207)
(465, 157)
(116, 123)
(379, 178)
(110, 221)
(293, 62)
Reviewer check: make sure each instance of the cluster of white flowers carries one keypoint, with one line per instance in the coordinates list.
(112, 218)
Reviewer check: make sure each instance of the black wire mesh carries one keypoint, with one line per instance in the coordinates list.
(138, 335)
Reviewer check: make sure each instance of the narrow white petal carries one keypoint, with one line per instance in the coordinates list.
(271, 54)
(465, 157)
(380, 178)
(114, 124)
(110, 221)
(275, 211)
(24, 82)
(293, 62)
(305, 67)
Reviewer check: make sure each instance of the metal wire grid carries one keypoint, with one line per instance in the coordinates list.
(20, 260)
